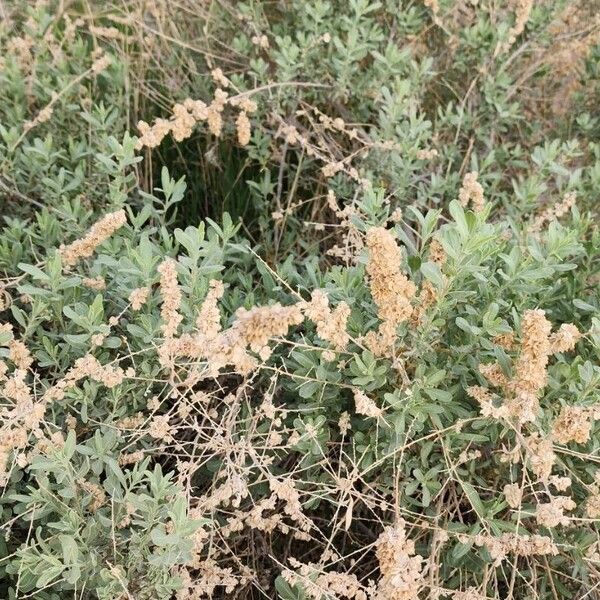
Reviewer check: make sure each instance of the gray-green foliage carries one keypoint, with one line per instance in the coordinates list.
(79, 521)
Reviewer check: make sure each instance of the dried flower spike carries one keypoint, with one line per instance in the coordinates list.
(98, 234)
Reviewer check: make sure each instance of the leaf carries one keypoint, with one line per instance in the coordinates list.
(440, 395)
(34, 271)
(432, 272)
(50, 573)
(309, 389)
(581, 305)
(5, 337)
(70, 549)
(161, 539)
(286, 592)
(474, 498)
(461, 549)
(414, 262)
(70, 443)
(458, 214)
(466, 326)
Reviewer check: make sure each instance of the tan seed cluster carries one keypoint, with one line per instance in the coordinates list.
(494, 374)
(44, 115)
(592, 505)
(94, 283)
(565, 338)
(437, 254)
(562, 484)
(555, 212)
(285, 490)
(97, 495)
(101, 64)
(352, 241)
(86, 366)
(97, 235)
(574, 424)
(514, 544)
(537, 345)
(522, 10)
(171, 297)
(513, 494)
(209, 317)
(486, 400)
(552, 514)
(110, 33)
(260, 40)
(139, 297)
(208, 577)
(252, 329)
(365, 406)
(391, 290)
(471, 192)
(188, 114)
(427, 153)
(160, 428)
(540, 454)
(505, 341)
(19, 354)
(219, 78)
(530, 370)
(259, 324)
(428, 296)
(401, 569)
(243, 128)
(21, 413)
(318, 584)
(21, 48)
(331, 324)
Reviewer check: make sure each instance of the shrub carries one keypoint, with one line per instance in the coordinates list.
(381, 381)
(305, 419)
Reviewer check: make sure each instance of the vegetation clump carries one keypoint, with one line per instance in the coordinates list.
(299, 300)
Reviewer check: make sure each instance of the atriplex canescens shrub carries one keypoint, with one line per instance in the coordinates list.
(379, 380)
